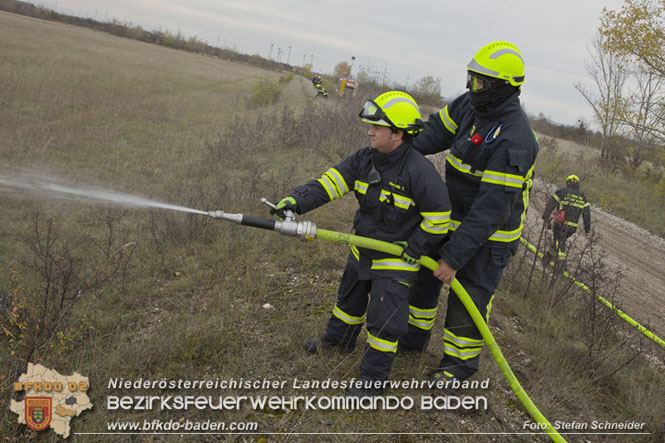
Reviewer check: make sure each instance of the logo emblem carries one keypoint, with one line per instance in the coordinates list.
(38, 412)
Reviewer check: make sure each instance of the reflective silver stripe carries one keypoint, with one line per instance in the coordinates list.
(360, 187)
(341, 183)
(380, 344)
(424, 313)
(454, 224)
(393, 264)
(329, 187)
(448, 122)
(436, 218)
(464, 355)
(346, 318)
(396, 100)
(475, 66)
(433, 229)
(404, 202)
(422, 324)
(461, 341)
(505, 51)
(462, 167)
(500, 178)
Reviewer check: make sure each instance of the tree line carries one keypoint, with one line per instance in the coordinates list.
(627, 69)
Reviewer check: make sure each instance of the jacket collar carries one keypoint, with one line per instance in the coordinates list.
(392, 157)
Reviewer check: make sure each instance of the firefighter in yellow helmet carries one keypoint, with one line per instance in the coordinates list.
(567, 204)
(491, 151)
(401, 198)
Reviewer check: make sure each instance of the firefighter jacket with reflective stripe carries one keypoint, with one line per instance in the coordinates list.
(574, 202)
(411, 206)
(489, 173)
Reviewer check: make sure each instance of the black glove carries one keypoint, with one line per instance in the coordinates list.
(285, 204)
(408, 255)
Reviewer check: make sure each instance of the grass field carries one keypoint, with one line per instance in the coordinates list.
(114, 292)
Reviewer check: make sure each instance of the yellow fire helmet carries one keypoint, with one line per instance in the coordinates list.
(572, 178)
(396, 109)
(500, 60)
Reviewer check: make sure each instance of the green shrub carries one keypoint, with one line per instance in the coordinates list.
(266, 91)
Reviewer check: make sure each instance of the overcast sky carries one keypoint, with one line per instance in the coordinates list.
(405, 40)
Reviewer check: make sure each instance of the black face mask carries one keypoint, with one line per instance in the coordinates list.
(486, 99)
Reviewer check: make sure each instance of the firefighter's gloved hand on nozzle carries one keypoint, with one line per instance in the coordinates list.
(285, 204)
(407, 255)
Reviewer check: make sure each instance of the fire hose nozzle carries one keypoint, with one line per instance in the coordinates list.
(235, 218)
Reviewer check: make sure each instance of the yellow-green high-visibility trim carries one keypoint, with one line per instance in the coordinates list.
(340, 185)
(346, 318)
(435, 222)
(461, 341)
(501, 178)
(448, 122)
(393, 264)
(361, 187)
(421, 323)
(489, 309)
(507, 236)
(461, 354)
(573, 224)
(453, 225)
(423, 313)
(461, 166)
(400, 201)
(422, 318)
(355, 252)
(328, 186)
(380, 344)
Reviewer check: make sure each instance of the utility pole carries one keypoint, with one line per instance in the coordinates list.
(279, 53)
(311, 60)
(353, 58)
(289, 55)
(270, 56)
(303, 59)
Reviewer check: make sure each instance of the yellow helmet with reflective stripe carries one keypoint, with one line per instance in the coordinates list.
(500, 60)
(572, 178)
(396, 109)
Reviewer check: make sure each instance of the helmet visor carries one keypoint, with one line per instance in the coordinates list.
(371, 111)
(476, 82)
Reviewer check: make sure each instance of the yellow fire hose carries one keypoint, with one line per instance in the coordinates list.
(614, 309)
(470, 306)
(308, 231)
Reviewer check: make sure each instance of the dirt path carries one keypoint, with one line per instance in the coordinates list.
(627, 248)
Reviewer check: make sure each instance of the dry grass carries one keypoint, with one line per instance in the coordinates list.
(177, 127)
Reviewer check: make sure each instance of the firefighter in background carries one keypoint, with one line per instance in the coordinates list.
(489, 172)
(402, 199)
(318, 84)
(567, 204)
